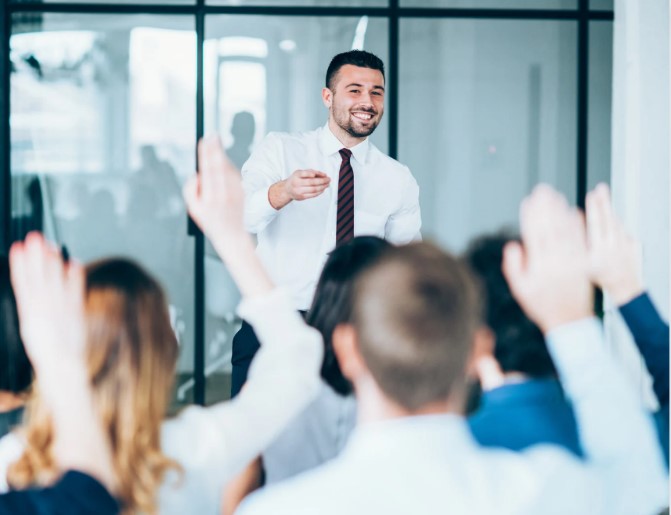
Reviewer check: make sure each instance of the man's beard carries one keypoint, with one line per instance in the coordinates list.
(346, 124)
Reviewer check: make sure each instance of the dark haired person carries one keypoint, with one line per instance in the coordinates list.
(16, 374)
(308, 192)
(522, 402)
(320, 432)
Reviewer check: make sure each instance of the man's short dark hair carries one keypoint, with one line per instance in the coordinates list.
(16, 373)
(332, 303)
(520, 345)
(359, 58)
(416, 312)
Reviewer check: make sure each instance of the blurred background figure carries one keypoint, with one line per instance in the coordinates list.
(243, 130)
(33, 219)
(16, 374)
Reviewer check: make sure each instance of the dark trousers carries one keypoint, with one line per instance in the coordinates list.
(245, 346)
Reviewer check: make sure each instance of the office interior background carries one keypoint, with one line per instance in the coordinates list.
(103, 102)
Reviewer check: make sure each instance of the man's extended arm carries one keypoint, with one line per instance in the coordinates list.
(269, 186)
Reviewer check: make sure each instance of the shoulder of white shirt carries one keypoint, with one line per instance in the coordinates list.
(295, 136)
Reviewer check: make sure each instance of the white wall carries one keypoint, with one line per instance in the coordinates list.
(640, 149)
(487, 110)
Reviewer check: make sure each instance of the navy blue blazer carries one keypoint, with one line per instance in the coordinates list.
(651, 334)
(74, 494)
(518, 415)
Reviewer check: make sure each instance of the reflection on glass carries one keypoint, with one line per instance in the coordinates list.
(493, 4)
(606, 5)
(265, 74)
(600, 97)
(487, 110)
(103, 126)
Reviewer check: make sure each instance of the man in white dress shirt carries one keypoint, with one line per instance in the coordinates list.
(307, 192)
(415, 332)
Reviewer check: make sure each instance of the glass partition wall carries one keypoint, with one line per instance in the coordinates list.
(103, 102)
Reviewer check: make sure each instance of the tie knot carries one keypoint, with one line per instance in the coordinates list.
(346, 153)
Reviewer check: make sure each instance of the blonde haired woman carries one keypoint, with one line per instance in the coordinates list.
(203, 448)
(132, 353)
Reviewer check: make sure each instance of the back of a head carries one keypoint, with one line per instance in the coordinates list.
(416, 312)
(332, 302)
(130, 337)
(520, 345)
(359, 58)
(15, 369)
(132, 352)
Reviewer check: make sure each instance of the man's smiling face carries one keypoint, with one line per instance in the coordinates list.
(357, 100)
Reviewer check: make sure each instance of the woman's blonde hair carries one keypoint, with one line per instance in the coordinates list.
(132, 355)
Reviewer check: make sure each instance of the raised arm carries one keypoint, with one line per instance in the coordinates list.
(549, 277)
(615, 267)
(284, 375)
(50, 299)
(215, 200)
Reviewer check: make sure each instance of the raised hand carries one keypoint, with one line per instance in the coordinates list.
(615, 257)
(50, 302)
(214, 197)
(549, 274)
(215, 200)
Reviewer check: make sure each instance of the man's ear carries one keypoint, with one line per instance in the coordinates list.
(327, 97)
(483, 348)
(346, 348)
(483, 364)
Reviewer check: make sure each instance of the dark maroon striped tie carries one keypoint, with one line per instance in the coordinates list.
(345, 219)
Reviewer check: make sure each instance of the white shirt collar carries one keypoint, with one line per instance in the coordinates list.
(330, 145)
(420, 431)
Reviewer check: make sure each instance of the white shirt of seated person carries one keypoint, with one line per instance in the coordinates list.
(424, 460)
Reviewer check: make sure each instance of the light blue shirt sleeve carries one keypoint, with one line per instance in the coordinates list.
(617, 433)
